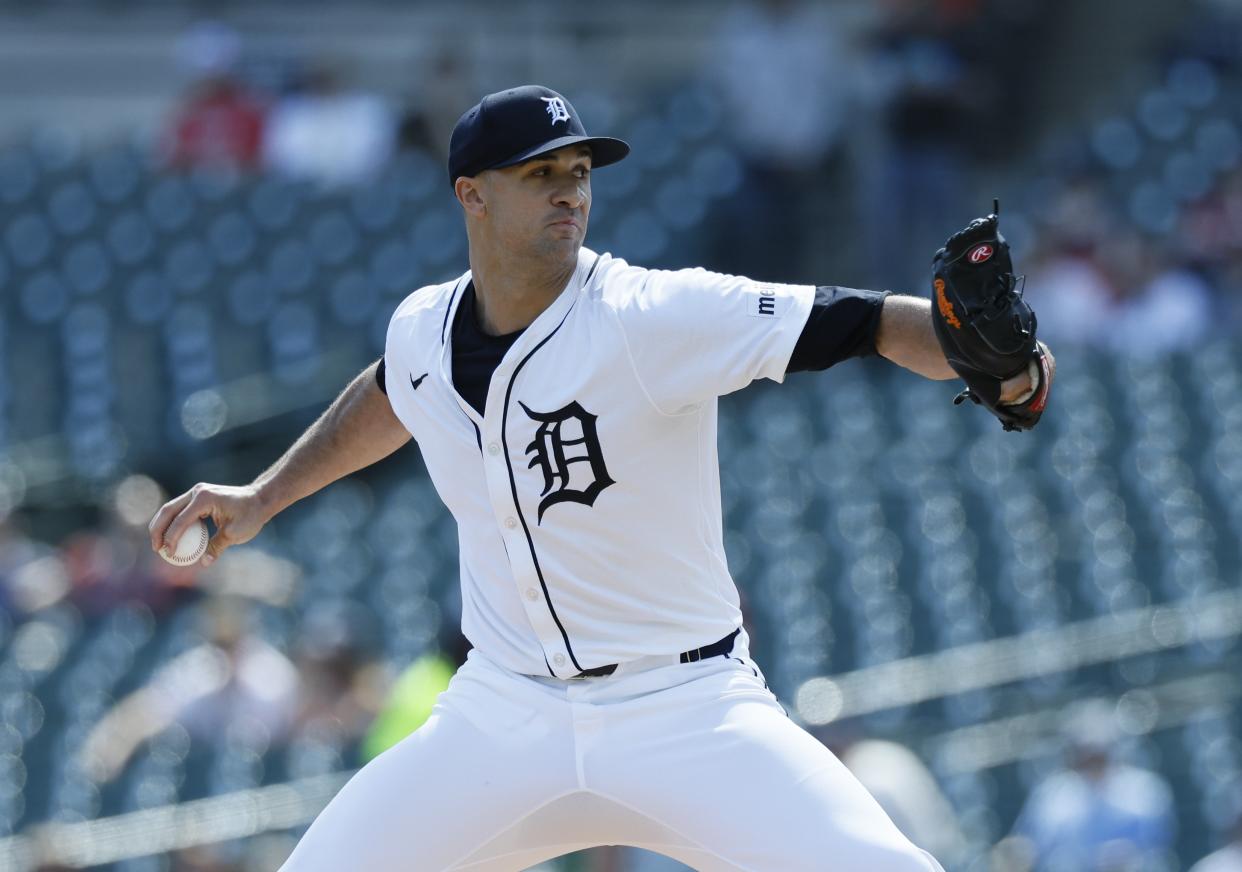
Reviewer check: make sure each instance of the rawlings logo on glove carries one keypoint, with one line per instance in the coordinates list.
(985, 329)
(945, 307)
(981, 253)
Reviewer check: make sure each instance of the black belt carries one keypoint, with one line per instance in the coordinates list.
(724, 646)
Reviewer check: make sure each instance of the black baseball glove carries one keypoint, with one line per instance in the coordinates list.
(985, 328)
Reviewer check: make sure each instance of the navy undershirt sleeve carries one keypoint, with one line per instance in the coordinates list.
(842, 324)
(379, 377)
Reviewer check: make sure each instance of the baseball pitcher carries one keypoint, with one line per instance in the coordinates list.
(565, 404)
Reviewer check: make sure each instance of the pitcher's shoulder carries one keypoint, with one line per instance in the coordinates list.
(615, 283)
(627, 288)
(429, 297)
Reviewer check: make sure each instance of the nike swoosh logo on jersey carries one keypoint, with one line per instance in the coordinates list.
(415, 382)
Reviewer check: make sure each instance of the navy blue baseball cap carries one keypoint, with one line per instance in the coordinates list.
(508, 127)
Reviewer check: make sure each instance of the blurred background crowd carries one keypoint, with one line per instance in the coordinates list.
(208, 212)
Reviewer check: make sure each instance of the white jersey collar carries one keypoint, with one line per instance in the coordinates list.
(547, 322)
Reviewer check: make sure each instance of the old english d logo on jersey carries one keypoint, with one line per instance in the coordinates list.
(564, 438)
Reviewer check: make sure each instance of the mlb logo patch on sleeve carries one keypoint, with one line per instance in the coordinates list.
(763, 302)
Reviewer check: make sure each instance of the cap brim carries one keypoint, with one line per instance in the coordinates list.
(605, 150)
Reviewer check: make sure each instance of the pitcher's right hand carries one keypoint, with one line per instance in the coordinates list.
(238, 513)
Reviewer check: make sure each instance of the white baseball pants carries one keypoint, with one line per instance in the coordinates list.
(696, 761)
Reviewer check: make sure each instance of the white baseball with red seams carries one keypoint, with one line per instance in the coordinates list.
(190, 547)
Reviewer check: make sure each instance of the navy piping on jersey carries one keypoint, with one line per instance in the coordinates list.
(447, 311)
(504, 440)
(590, 272)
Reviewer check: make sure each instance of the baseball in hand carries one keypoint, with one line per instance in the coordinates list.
(190, 547)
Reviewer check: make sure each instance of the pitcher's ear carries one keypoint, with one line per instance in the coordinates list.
(470, 193)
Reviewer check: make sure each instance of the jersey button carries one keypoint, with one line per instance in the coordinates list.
(493, 448)
(532, 594)
(559, 659)
(510, 522)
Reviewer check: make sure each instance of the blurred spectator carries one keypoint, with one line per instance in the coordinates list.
(781, 69)
(1071, 297)
(430, 114)
(342, 684)
(904, 787)
(1099, 813)
(1065, 284)
(929, 99)
(232, 680)
(1210, 235)
(203, 858)
(1229, 857)
(1172, 311)
(1211, 228)
(221, 122)
(261, 853)
(32, 575)
(323, 133)
(907, 791)
(114, 564)
(1101, 284)
(415, 693)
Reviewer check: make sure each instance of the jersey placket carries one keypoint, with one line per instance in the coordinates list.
(503, 460)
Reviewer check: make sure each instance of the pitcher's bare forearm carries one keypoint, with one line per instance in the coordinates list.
(907, 338)
(358, 429)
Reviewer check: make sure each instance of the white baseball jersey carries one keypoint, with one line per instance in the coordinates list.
(587, 496)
